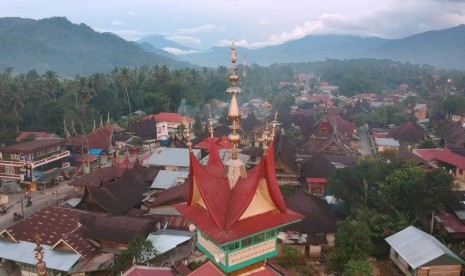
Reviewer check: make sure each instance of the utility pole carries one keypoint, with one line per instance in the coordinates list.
(22, 205)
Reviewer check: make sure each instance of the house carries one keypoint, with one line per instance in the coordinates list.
(120, 196)
(174, 159)
(447, 159)
(383, 144)
(317, 228)
(314, 174)
(408, 133)
(417, 253)
(58, 229)
(38, 135)
(30, 161)
(286, 166)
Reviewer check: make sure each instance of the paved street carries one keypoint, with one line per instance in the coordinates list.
(365, 144)
(46, 197)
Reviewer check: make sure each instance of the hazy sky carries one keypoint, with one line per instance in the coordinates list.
(201, 24)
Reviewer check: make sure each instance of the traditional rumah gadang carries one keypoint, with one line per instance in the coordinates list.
(236, 213)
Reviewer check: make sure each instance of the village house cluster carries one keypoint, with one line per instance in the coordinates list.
(215, 197)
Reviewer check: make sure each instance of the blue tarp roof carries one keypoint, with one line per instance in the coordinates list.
(95, 151)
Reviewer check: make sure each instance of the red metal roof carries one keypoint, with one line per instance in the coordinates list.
(221, 143)
(167, 117)
(220, 221)
(451, 222)
(207, 268)
(37, 134)
(444, 155)
(53, 223)
(149, 271)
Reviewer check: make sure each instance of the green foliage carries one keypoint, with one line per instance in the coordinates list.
(197, 126)
(139, 250)
(427, 144)
(358, 268)
(293, 135)
(287, 188)
(291, 257)
(353, 242)
(29, 137)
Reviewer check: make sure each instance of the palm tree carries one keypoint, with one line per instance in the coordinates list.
(51, 83)
(124, 80)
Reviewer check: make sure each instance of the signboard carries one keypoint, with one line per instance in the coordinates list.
(25, 157)
(162, 131)
(28, 173)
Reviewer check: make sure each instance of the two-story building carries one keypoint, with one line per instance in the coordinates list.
(27, 162)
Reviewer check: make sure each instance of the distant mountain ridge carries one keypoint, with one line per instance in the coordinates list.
(68, 49)
(444, 49)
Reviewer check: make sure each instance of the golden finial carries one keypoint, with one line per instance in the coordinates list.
(274, 122)
(39, 255)
(266, 136)
(187, 132)
(210, 121)
(234, 168)
(234, 114)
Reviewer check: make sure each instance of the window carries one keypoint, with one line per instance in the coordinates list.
(461, 172)
(259, 238)
(233, 246)
(269, 234)
(9, 170)
(246, 242)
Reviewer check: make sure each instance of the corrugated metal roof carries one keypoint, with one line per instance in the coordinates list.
(23, 252)
(387, 142)
(167, 179)
(178, 157)
(168, 239)
(418, 248)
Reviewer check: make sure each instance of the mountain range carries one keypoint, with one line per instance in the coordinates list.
(68, 49)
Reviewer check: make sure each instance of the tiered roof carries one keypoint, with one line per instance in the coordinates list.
(99, 138)
(227, 214)
(120, 196)
(408, 132)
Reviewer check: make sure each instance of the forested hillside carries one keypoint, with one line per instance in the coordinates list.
(68, 49)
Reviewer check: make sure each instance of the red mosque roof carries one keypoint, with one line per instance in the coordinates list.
(221, 143)
(167, 117)
(225, 205)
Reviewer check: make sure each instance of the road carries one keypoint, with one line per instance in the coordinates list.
(46, 197)
(365, 143)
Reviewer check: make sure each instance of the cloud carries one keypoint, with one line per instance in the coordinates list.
(263, 23)
(179, 52)
(201, 29)
(131, 12)
(398, 19)
(117, 23)
(130, 35)
(185, 39)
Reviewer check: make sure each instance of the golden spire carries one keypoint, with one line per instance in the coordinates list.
(39, 255)
(274, 123)
(234, 114)
(187, 132)
(210, 121)
(234, 168)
